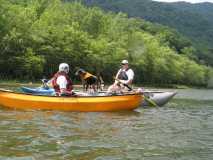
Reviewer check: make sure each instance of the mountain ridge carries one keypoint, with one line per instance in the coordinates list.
(192, 20)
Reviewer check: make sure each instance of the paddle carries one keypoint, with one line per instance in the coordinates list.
(130, 89)
(126, 85)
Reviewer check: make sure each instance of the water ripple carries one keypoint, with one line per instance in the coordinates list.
(183, 129)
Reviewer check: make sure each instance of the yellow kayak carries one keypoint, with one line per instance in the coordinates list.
(80, 103)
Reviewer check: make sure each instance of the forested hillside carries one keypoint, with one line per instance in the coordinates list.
(35, 36)
(192, 20)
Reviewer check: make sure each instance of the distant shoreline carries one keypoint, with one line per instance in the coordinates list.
(16, 83)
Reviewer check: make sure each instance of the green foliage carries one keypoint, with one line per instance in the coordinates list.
(29, 65)
(38, 35)
(191, 20)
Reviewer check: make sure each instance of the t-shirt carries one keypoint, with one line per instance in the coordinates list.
(130, 74)
(62, 82)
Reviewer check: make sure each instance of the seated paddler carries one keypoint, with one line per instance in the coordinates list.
(61, 82)
(89, 80)
(123, 79)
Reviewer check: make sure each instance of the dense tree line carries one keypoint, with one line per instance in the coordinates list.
(192, 20)
(37, 35)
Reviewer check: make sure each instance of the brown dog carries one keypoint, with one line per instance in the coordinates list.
(90, 81)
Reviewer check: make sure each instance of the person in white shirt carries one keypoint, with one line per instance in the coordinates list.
(125, 75)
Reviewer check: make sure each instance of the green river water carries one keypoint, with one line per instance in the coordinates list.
(181, 130)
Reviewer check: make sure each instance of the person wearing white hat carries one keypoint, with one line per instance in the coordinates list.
(125, 75)
(61, 82)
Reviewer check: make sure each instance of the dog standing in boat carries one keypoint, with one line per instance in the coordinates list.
(89, 81)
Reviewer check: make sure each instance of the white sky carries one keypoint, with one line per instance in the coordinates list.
(191, 1)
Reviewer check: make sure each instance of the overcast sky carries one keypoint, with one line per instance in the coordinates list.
(192, 1)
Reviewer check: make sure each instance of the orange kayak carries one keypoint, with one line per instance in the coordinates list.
(80, 103)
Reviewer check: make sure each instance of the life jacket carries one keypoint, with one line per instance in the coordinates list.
(56, 87)
(87, 75)
(122, 75)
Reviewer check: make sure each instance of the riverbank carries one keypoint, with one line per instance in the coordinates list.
(17, 83)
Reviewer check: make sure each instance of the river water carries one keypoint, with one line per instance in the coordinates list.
(181, 130)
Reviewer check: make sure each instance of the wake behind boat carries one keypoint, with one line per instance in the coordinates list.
(79, 103)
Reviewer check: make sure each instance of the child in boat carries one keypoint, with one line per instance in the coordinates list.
(45, 84)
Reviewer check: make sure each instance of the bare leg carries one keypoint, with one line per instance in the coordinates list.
(114, 89)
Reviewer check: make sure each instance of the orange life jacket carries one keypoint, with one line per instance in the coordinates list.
(87, 75)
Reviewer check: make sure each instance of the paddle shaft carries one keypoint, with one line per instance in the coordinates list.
(130, 89)
(126, 85)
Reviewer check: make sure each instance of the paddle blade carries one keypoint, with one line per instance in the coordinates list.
(151, 102)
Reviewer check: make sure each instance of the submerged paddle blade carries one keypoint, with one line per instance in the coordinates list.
(150, 101)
